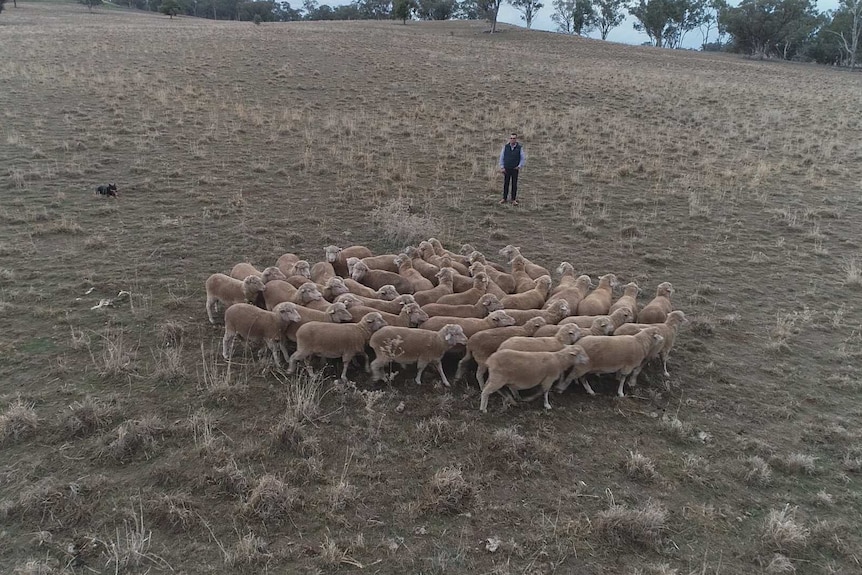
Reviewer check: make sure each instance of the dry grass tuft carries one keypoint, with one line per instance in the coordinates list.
(852, 272)
(797, 463)
(86, 416)
(272, 499)
(401, 224)
(132, 436)
(639, 466)
(757, 470)
(780, 564)
(131, 547)
(437, 430)
(642, 525)
(230, 479)
(450, 492)
(168, 364)
(782, 531)
(18, 421)
(250, 551)
(675, 428)
(176, 511)
(117, 355)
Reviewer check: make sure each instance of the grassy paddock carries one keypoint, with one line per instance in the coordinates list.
(129, 446)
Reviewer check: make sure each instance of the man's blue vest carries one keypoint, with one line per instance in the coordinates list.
(511, 156)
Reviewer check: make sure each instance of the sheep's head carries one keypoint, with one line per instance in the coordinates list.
(656, 340)
(490, 303)
(533, 324)
(631, 289)
(676, 318)
(468, 250)
(402, 259)
(387, 292)
(272, 273)
(543, 285)
(251, 286)
(373, 321)
(584, 283)
(622, 315)
(518, 263)
(349, 300)
(480, 281)
(359, 271)
(565, 269)
(411, 252)
(569, 334)
(559, 308)
(425, 249)
(664, 289)
(338, 313)
(332, 253)
(500, 318)
(602, 326)
(351, 262)
(510, 251)
(302, 268)
(576, 354)
(607, 281)
(308, 292)
(415, 314)
(445, 275)
(287, 312)
(453, 334)
(336, 286)
(476, 257)
(405, 298)
(476, 267)
(438, 247)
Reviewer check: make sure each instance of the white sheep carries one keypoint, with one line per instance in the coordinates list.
(601, 325)
(253, 323)
(278, 291)
(387, 292)
(668, 331)
(535, 271)
(566, 335)
(242, 270)
(443, 287)
(553, 314)
(338, 257)
(629, 299)
(525, 370)
(426, 251)
(482, 344)
(427, 269)
(486, 304)
(411, 315)
(469, 297)
(334, 287)
(307, 293)
(573, 293)
(598, 302)
(441, 251)
(376, 279)
(227, 290)
(334, 340)
(406, 346)
(470, 325)
(530, 299)
(480, 268)
(617, 318)
(657, 310)
(301, 273)
(335, 313)
(523, 281)
(321, 272)
(382, 262)
(392, 306)
(623, 355)
(504, 280)
(286, 262)
(407, 271)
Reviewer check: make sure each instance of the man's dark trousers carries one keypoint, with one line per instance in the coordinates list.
(510, 175)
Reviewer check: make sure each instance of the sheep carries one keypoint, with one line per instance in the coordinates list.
(618, 318)
(460, 282)
(486, 304)
(552, 314)
(407, 271)
(498, 276)
(524, 370)
(426, 251)
(382, 262)
(535, 271)
(334, 313)
(470, 325)
(567, 277)
(301, 273)
(404, 346)
(286, 263)
(573, 293)
(566, 335)
(386, 293)
(428, 270)
(321, 272)
(668, 331)
(344, 340)
(307, 293)
(334, 288)
(531, 299)
(376, 279)
(227, 290)
(477, 268)
(629, 299)
(469, 297)
(338, 257)
(278, 291)
(443, 287)
(601, 325)
(623, 355)
(252, 323)
(411, 315)
(598, 302)
(393, 306)
(481, 345)
(657, 310)
(441, 251)
(523, 281)
(242, 270)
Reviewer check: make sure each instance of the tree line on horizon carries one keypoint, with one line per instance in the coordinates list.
(781, 29)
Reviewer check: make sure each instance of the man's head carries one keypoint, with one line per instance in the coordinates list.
(513, 138)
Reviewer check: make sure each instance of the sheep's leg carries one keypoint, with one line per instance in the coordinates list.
(227, 345)
(296, 356)
(633, 378)
(211, 309)
(284, 351)
(442, 373)
(420, 368)
(489, 388)
(664, 355)
(547, 390)
(587, 387)
(346, 359)
(459, 373)
(276, 352)
(376, 365)
(621, 377)
(481, 370)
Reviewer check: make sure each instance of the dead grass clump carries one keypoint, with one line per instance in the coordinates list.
(640, 467)
(449, 491)
(131, 547)
(117, 354)
(785, 329)
(45, 566)
(85, 417)
(852, 463)
(510, 441)
(168, 364)
(229, 478)
(303, 393)
(271, 499)
(53, 500)
(62, 226)
(852, 272)
(642, 525)
(220, 381)
(401, 224)
(250, 551)
(171, 332)
(672, 426)
(18, 421)
(782, 531)
(437, 430)
(757, 470)
(780, 564)
(176, 511)
(797, 463)
(133, 436)
(95, 241)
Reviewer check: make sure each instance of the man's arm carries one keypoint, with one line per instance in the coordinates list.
(502, 152)
(523, 158)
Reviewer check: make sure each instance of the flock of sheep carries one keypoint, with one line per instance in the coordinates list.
(416, 306)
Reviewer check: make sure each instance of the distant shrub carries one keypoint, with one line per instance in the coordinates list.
(400, 225)
(257, 19)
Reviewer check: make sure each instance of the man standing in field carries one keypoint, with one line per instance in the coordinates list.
(512, 159)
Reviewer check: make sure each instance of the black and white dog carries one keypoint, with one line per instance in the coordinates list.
(109, 190)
